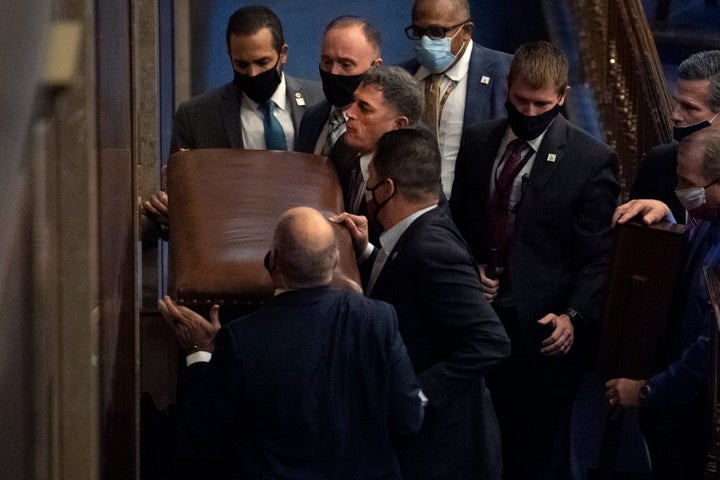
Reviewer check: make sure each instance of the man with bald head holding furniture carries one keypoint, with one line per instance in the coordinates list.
(313, 385)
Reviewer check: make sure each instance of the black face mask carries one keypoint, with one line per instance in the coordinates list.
(339, 89)
(681, 132)
(260, 87)
(529, 127)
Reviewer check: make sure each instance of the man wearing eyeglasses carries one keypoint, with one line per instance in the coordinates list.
(464, 82)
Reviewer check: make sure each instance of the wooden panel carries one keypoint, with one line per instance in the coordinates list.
(712, 465)
(621, 65)
(640, 296)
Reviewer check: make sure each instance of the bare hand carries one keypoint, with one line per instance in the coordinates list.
(193, 331)
(490, 286)
(156, 209)
(561, 339)
(357, 225)
(623, 393)
(652, 211)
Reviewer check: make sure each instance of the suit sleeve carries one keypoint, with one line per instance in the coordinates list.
(214, 396)
(182, 136)
(452, 301)
(406, 412)
(593, 239)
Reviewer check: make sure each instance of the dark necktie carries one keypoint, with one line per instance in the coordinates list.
(274, 133)
(513, 161)
(356, 193)
(335, 129)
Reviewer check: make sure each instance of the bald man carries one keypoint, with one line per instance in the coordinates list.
(311, 386)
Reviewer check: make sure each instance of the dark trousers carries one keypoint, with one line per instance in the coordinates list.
(533, 413)
(677, 440)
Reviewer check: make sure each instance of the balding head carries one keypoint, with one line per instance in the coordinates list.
(305, 250)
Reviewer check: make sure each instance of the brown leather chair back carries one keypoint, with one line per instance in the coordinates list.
(224, 205)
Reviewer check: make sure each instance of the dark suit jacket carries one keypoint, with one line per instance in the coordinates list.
(657, 178)
(482, 101)
(212, 120)
(311, 386)
(561, 239)
(313, 122)
(453, 338)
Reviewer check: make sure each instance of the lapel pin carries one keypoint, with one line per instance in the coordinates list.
(551, 157)
(485, 80)
(299, 99)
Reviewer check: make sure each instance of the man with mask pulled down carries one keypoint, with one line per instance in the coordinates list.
(697, 105)
(350, 46)
(534, 197)
(464, 82)
(260, 109)
(673, 402)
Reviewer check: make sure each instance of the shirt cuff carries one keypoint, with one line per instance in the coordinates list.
(197, 357)
(366, 254)
(423, 399)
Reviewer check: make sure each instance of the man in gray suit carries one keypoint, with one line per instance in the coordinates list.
(260, 109)
(464, 82)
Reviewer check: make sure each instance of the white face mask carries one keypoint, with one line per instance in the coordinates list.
(691, 198)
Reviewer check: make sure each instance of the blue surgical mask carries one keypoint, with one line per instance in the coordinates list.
(435, 55)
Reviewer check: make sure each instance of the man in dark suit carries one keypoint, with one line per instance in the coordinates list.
(464, 82)
(260, 109)
(534, 196)
(673, 401)
(454, 338)
(697, 105)
(350, 46)
(311, 386)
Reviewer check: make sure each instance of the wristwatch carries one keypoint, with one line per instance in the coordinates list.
(645, 393)
(574, 315)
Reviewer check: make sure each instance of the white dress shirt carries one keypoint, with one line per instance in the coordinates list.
(251, 117)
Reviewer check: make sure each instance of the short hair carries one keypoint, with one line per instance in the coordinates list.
(410, 157)
(372, 34)
(251, 19)
(540, 64)
(400, 90)
(706, 141)
(704, 66)
(300, 264)
(460, 7)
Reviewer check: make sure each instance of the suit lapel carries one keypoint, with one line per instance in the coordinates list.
(230, 115)
(477, 106)
(548, 157)
(397, 251)
(295, 98)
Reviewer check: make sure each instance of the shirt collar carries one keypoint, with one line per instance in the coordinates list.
(389, 238)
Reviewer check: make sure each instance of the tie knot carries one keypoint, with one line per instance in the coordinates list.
(269, 106)
(337, 118)
(517, 145)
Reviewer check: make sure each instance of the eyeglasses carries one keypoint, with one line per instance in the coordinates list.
(434, 32)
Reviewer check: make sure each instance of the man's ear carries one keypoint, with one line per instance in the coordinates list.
(401, 122)
(283, 53)
(564, 96)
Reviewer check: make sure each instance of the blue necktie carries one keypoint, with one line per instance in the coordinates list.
(274, 133)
